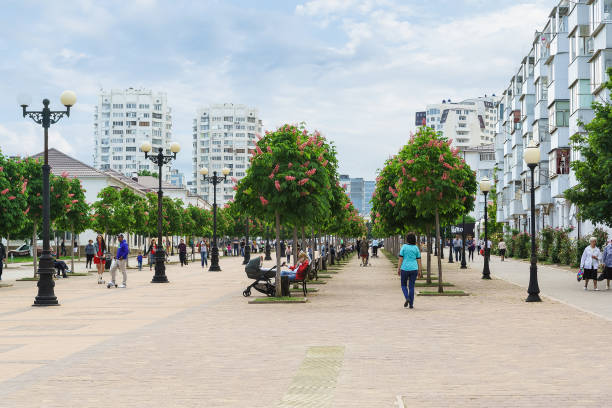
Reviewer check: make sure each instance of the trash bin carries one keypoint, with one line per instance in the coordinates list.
(285, 286)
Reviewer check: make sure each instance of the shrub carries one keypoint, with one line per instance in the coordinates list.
(546, 241)
(567, 249)
(579, 246)
(523, 245)
(602, 237)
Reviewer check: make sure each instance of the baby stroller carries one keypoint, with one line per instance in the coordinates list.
(263, 278)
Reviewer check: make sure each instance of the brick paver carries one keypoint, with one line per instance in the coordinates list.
(196, 342)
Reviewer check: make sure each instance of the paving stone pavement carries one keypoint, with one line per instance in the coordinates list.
(196, 342)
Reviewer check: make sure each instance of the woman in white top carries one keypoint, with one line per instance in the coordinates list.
(590, 262)
(501, 246)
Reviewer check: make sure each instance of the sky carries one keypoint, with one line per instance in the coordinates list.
(356, 70)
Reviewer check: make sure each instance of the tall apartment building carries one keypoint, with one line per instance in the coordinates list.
(469, 123)
(123, 119)
(360, 192)
(224, 135)
(546, 99)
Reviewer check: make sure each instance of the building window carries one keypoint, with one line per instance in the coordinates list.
(487, 156)
(117, 123)
(581, 97)
(130, 149)
(130, 106)
(117, 106)
(558, 115)
(157, 107)
(559, 162)
(143, 106)
(599, 67)
(143, 123)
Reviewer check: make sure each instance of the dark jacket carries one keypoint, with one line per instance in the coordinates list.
(90, 249)
(182, 248)
(2, 251)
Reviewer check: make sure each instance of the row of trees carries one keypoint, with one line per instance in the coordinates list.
(425, 185)
(293, 181)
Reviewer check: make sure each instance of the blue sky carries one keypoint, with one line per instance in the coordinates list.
(356, 70)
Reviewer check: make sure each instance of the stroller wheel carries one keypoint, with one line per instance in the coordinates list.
(246, 293)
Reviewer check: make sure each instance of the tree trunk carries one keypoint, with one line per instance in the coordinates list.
(440, 280)
(278, 255)
(295, 245)
(72, 250)
(429, 247)
(34, 247)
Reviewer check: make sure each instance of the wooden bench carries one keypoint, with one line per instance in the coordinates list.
(302, 281)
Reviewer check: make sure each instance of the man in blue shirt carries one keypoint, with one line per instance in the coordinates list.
(120, 262)
(409, 267)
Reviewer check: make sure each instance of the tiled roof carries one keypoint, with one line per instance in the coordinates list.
(127, 180)
(61, 162)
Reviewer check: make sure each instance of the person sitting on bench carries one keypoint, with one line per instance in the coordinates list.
(297, 272)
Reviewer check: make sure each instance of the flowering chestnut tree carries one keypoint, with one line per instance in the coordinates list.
(289, 180)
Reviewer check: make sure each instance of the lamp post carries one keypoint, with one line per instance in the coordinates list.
(268, 257)
(485, 187)
(160, 159)
(46, 117)
(463, 262)
(532, 158)
(247, 245)
(214, 180)
(450, 248)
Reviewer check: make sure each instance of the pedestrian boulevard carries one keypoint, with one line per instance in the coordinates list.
(196, 342)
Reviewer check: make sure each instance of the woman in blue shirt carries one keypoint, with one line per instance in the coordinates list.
(409, 267)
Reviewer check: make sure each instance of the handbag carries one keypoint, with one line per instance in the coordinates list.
(580, 275)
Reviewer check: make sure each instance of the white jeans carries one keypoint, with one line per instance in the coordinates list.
(119, 263)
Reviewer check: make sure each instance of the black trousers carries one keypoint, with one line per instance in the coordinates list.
(183, 258)
(89, 260)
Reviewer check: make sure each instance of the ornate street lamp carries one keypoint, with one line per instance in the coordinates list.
(214, 180)
(450, 248)
(160, 159)
(532, 158)
(463, 262)
(485, 187)
(46, 117)
(247, 245)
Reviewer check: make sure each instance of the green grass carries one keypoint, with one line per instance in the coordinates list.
(5, 285)
(283, 299)
(299, 290)
(78, 274)
(431, 285)
(325, 276)
(27, 280)
(317, 282)
(19, 259)
(446, 293)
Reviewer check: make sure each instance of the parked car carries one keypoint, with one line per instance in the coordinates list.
(23, 250)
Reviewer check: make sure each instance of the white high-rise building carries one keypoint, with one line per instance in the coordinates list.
(123, 119)
(469, 123)
(224, 135)
(547, 98)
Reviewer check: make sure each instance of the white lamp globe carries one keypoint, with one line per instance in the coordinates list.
(204, 171)
(225, 171)
(485, 185)
(145, 147)
(175, 147)
(68, 98)
(24, 99)
(532, 153)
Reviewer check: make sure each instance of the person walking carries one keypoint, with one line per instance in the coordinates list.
(63, 248)
(457, 244)
(288, 254)
(363, 251)
(90, 251)
(590, 262)
(99, 258)
(501, 246)
(120, 263)
(151, 253)
(409, 268)
(471, 246)
(607, 261)
(139, 259)
(2, 257)
(204, 253)
(182, 252)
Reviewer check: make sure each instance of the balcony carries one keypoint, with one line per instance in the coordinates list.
(558, 185)
(516, 139)
(500, 214)
(542, 195)
(507, 147)
(583, 115)
(540, 110)
(559, 138)
(578, 69)
(525, 199)
(559, 44)
(516, 171)
(507, 178)
(516, 208)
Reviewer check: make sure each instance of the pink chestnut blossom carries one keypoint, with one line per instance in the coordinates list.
(263, 200)
(289, 178)
(277, 185)
(3, 192)
(269, 149)
(303, 181)
(441, 158)
(65, 174)
(392, 203)
(12, 198)
(414, 179)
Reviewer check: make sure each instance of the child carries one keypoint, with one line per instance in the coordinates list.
(139, 257)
